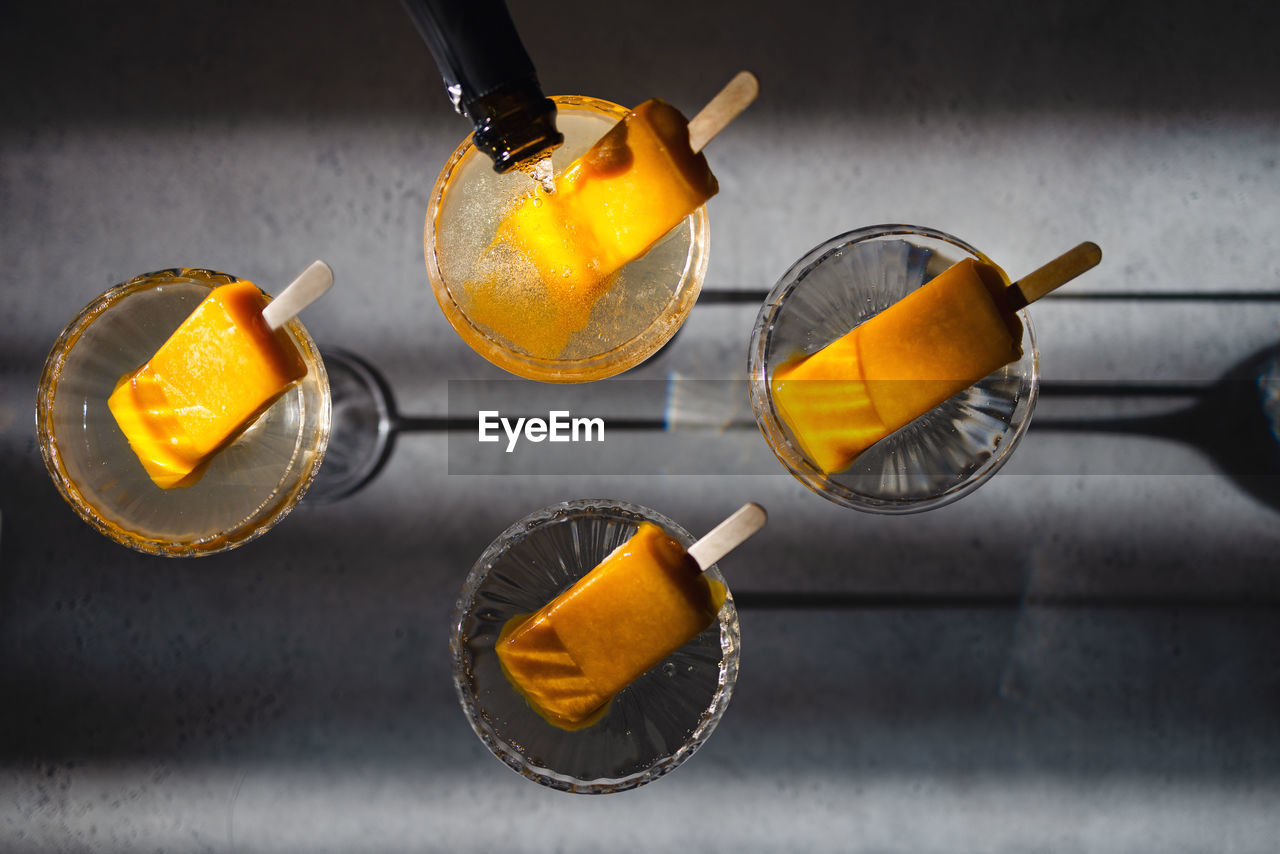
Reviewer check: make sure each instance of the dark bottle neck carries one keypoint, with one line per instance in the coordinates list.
(489, 77)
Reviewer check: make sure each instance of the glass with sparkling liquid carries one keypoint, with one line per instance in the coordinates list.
(248, 486)
(646, 301)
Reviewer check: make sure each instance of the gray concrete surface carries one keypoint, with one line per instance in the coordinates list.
(1079, 656)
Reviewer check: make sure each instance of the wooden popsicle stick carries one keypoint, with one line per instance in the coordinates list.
(728, 535)
(1053, 275)
(735, 97)
(311, 284)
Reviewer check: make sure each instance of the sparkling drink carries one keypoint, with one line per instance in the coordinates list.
(248, 486)
(646, 301)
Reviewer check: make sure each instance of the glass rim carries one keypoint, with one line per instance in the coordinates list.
(776, 434)
(619, 358)
(46, 393)
(509, 754)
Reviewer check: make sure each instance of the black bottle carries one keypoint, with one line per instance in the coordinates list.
(489, 78)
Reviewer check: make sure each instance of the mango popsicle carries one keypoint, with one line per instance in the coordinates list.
(935, 342)
(610, 206)
(641, 603)
(222, 368)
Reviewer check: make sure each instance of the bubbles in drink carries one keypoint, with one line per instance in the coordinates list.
(502, 295)
(542, 172)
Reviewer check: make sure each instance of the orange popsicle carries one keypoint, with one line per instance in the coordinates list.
(221, 369)
(935, 342)
(641, 603)
(610, 206)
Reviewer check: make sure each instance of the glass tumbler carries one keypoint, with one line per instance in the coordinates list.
(647, 302)
(942, 455)
(652, 725)
(248, 486)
